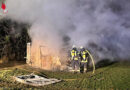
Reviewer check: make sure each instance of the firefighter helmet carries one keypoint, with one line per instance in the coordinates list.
(73, 46)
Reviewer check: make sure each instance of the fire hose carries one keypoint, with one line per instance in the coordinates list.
(92, 61)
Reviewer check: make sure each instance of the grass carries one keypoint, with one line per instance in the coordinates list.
(115, 76)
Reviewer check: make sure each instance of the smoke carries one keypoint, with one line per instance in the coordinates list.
(102, 26)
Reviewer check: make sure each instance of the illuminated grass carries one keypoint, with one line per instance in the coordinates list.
(116, 76)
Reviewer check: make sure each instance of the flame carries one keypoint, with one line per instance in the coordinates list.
(44, 57)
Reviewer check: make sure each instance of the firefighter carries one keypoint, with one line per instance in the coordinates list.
(84, 57)
(75, 59)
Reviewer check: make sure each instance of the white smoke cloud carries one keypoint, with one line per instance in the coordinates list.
(100, 25)
(46, 16)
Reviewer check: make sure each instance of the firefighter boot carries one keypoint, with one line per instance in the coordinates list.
(85, 70)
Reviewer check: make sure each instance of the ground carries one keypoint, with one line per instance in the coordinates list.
(115, 76)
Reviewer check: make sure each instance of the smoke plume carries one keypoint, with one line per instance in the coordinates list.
(102, 26)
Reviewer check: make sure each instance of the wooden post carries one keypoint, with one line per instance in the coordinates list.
(28, 57)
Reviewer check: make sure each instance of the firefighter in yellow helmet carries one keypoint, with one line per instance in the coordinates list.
(75, 59)
(84, 56)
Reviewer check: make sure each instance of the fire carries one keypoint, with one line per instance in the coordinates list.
(42, 57)
(51, 62)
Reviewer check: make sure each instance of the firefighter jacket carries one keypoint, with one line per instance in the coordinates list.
(74, 54)
(84, 56)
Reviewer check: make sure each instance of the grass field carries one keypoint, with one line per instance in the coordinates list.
(115, 76)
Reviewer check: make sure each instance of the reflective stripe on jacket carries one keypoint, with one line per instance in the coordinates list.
(84, 56)
(74, 54)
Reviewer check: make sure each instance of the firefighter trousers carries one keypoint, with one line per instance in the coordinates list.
(83, 66)
(75, 64)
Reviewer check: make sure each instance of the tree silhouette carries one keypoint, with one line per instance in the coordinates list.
(13, 39)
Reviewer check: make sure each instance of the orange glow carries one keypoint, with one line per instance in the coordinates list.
(44, 57)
